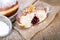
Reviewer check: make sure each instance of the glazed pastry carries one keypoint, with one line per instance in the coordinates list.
(8, 7)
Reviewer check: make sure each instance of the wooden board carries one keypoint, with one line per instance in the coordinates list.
(29, 33)
(52, 32)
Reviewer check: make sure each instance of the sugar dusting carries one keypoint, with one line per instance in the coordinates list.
(7, 3)
(4, 29)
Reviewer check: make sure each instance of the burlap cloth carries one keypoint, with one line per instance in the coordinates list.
(50, 32)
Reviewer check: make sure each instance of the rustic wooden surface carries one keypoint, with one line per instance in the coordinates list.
(52, 2)
(52, 32)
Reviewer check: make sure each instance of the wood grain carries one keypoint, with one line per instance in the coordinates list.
(52, 32)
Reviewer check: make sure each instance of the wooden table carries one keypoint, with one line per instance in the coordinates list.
(52, 32)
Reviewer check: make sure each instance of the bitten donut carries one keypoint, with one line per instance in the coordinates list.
(31, 16)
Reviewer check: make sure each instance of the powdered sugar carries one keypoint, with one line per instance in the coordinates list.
(7, 3)
(4, 29)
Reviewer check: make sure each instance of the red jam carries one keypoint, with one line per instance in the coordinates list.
(35, 20)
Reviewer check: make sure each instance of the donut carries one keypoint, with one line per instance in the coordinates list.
(31, 16)
(8, 7)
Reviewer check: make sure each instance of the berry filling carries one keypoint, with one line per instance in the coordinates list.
(35, 20)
